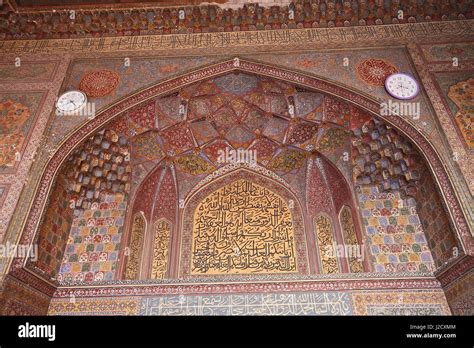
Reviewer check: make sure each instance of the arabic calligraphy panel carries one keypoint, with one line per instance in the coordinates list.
(348, 231)
(243, 228)
(136, 243)
(161, 241)
(325, 241)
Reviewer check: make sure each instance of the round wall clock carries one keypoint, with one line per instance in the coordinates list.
(71, 102)
(402, 86)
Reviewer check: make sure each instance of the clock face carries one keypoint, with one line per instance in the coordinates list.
(401, 86)
(71, 101)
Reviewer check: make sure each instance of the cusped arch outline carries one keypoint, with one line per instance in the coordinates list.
(369, 104)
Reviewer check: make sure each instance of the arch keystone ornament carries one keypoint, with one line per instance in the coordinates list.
(37, 208)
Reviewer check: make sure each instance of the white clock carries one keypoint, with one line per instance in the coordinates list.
(71, 102)
(402, 86)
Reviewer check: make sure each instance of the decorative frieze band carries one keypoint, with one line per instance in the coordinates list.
(254, 287)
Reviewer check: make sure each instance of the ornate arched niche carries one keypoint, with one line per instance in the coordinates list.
(242, 223)
(340, 246)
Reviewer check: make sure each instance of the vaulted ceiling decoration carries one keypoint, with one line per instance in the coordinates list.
(196, 128)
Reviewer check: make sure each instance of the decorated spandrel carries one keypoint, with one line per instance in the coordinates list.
(243, 228)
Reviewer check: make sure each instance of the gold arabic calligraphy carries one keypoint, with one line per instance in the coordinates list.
(243, 228)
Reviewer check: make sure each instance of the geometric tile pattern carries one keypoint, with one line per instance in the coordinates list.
(93, 245)
(394, 232)
(54, 230)
(248, 111)
(438, 231)
(400, 303)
